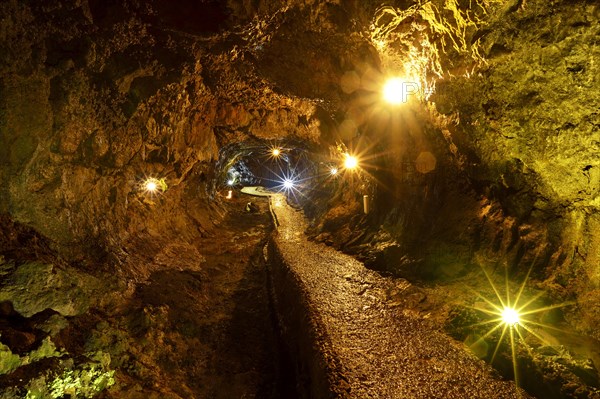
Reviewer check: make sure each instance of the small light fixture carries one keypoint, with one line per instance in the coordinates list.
(288, 184)
(230, 182)
(510, 317)
(333, 171)
(153, 185)
(397, 90)
(350, 162)
(276, 152)
(229, 194)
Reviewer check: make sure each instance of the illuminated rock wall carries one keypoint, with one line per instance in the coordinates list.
(515, 134)
(97, 96)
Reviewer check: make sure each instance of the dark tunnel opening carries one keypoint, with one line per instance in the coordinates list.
(289, 166)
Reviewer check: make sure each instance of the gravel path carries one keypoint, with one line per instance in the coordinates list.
(379, 349)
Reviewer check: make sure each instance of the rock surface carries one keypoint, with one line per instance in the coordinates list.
(366, 345)
(492, 165)
(198, 326)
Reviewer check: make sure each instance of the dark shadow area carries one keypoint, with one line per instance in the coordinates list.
(191, 16)
(216, 320)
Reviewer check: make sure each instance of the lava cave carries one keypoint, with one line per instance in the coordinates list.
(299, 199)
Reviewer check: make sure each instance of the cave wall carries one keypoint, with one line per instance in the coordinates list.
(514, 133)
(529, 133)
(97, 97)
(496, 166)
(77, 145)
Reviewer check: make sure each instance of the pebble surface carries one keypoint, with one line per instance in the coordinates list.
(376, 349)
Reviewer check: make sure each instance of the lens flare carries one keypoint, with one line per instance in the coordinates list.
(333, 171)
(350, 162)
(392, 91)
(513, 318)
(289, 183)
(510, 316)
(151, 186)
(288, 176)
(397, 90)
(276, 153)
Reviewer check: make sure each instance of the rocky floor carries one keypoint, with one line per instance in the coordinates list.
(373, 342)
(199, 327)
(554, 361)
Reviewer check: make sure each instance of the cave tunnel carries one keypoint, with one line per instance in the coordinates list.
(269, 164)
(300, 199)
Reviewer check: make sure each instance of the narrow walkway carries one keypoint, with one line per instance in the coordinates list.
(377, 349)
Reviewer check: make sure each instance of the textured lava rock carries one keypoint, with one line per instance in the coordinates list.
(498, 167)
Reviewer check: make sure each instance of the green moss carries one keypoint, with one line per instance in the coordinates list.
(46, 349)
(8, 360)
(162, 183)
(37, 389)
(35, 286)
(82, 383)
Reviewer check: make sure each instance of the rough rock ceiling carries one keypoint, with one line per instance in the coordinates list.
(96, 96)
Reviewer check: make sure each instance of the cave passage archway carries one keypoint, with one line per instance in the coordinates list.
(268, 163)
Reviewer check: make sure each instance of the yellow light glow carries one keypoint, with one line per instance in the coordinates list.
(229, 194)
(153, 185)
(397, 90)
(350, 162)
(150, 186)
(510, 316)
(392, 91)
(509, 313)
(276, 152)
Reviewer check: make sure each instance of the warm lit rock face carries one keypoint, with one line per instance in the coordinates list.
(529, 130)
(95, 99)
(499, 166)
(523, 131)
(512, 142)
